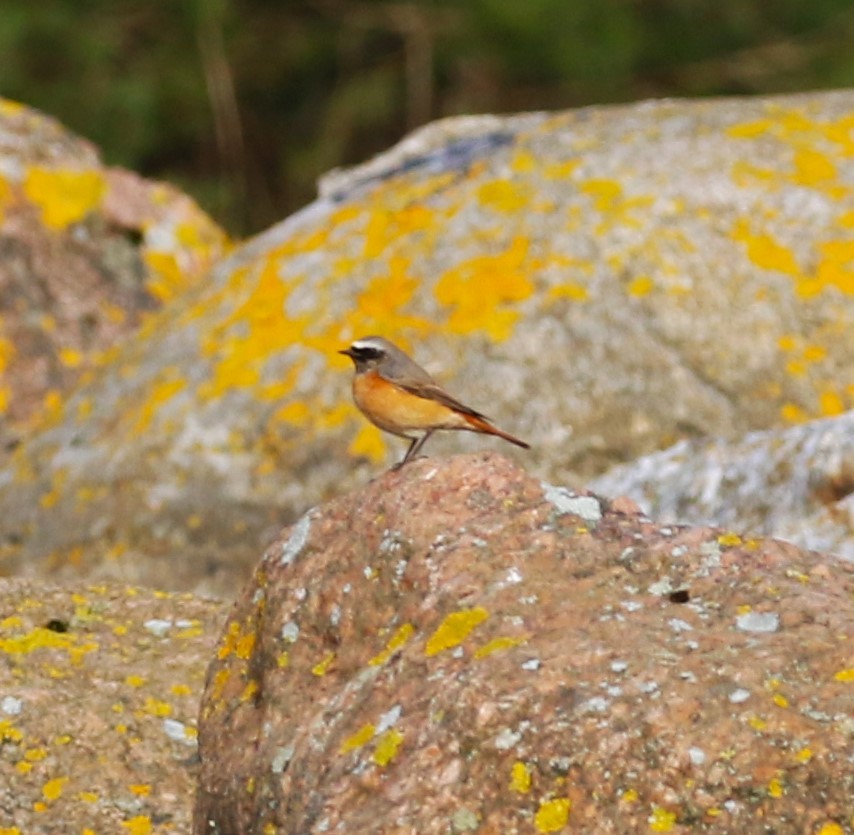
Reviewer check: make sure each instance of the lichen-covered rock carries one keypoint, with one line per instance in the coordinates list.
(603, 282)
(796, 483)
(458, 647)
(99, 689)
(85, 252)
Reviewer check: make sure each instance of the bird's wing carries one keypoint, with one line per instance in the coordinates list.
(430, 390)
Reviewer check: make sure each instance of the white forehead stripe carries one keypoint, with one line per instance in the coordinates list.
(368, 343)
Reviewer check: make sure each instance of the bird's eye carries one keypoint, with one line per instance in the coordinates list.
(368, 353)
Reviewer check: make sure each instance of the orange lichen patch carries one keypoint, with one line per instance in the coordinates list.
(729, 540)
(387, 747)
(552, 815)
(64, 196)
(454, 629)
(479, 291)
(398, 640)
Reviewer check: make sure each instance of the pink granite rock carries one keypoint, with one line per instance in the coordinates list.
(458, 647)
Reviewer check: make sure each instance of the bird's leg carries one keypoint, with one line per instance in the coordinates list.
(414, 447)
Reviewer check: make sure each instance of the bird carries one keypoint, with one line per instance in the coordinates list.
(400, 397)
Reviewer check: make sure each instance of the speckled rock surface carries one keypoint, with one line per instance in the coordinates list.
(602, 282)
(99, 690)
(795, 482)
(85, 252)
(458, 647)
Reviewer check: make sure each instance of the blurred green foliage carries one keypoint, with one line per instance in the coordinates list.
(243, 103)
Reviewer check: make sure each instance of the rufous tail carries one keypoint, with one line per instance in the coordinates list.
(478, 424)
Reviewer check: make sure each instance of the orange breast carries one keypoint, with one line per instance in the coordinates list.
(396, 410)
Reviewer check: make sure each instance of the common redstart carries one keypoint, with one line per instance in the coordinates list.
(399, 396)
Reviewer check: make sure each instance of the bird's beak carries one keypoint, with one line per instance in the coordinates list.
(348, 352)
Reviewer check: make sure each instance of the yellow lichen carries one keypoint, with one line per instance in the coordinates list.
(497, 645)
(764, 251)
(138, 825)
(156, 707)
(322, 666)
(64, 196)
(643, 285)
(845, 676)
(552, 815)
(482, 290)
(53, 789)
(454, 629)
(504, 196)
(775, 788)
(160, 392)
(362, 737)
(368, 443)
(387, 747)
(520, 777)
(830, 403)
(661, 820)
(570, 290)
(400, 637)
(813, 168)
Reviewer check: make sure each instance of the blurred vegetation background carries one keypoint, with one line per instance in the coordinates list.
(243, 103)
